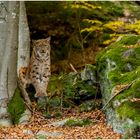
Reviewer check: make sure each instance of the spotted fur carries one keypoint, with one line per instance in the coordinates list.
(38, 71)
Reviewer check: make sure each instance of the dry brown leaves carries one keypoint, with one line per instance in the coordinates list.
(93, 131)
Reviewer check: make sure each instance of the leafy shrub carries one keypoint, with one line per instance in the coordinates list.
(68, 90)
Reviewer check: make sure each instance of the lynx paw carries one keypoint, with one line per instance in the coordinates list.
(39, 94)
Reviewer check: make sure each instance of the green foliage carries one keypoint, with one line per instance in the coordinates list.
(89, 105)
(113, 28)
(56, 114)
(42, 102)
(70, 90)
(61, 89)
(16, 106)
(66, 89)
(81, 123)
(79, 24)
(55, 101)
(118, 28)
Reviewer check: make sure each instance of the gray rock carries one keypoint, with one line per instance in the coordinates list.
(27, 131)
(128, 53)
(49, 134)
(6, 122)
(89, 74)
(25, 117)
(128, 67)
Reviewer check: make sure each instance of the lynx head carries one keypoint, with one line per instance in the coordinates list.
(42, 49)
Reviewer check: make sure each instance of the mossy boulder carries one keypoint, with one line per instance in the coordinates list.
(69, 90)
(16, 106)
(89, 74)
(118, 65)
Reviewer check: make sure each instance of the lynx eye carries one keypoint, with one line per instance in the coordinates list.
(42, 51)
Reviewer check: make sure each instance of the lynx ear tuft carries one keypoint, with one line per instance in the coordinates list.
(48, 39)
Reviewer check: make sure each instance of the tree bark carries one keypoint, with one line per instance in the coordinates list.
(14, 50)
(24, 39)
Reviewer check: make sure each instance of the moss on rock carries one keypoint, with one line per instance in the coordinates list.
(119, 64)
(78, 122)
(16, 106)
(129, 110)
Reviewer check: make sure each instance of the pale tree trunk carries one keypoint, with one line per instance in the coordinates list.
(14, 50)
(24, 39)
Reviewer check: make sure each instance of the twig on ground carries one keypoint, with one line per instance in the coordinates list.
(72, 67)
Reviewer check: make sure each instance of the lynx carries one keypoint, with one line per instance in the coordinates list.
(38, 71)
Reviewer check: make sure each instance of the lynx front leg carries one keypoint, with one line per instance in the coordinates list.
(40, 83)
(41, 95)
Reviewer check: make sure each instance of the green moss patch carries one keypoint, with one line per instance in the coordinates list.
(16, 106)
(119, 61)
(129, 110)
(76, 122)
(115, 51)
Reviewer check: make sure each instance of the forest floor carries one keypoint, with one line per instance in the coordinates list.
(40, 128)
